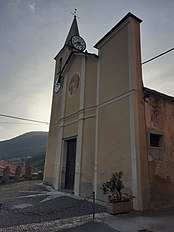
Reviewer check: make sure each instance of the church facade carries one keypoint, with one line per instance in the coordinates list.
(103, 120)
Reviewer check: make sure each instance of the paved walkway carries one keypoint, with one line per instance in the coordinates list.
(29, 206)
(154, 220)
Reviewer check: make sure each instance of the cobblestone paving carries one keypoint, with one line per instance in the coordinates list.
(31, 203)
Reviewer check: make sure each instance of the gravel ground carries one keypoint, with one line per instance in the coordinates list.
(21, 189)
(30, 202)
(30, 206)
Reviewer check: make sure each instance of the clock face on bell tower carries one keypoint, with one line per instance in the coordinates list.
(74, 40)
(78, 43)
(73, 43)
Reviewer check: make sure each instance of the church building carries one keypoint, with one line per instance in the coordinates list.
(103, 120)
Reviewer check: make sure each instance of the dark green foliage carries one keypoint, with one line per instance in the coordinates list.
(36, 161)
(114, 185)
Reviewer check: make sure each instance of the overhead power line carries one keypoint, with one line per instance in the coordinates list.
(20, 123)
(42, 122)
(155, 57)
(24, 119)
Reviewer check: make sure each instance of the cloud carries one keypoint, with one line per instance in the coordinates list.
(32, 7)
(29, 44)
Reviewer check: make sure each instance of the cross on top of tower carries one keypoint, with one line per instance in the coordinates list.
(73, 29)
(75, 13)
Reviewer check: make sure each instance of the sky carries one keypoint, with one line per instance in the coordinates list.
(33, 31)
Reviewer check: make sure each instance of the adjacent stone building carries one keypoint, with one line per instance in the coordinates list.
(160, 135)
(103, 120)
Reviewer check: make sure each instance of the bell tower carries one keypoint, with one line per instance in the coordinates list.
(63, 54)
(70, 149)
(72, 43)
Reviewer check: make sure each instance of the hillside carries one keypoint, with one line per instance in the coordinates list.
(29, 144)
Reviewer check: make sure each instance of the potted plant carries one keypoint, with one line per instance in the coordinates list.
(118, 202)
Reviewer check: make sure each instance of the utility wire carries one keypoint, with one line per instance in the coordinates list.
(42, 122)
(157, 56)
(24, 119)
(20, 123)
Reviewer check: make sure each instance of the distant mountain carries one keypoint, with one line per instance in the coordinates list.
(29, 144)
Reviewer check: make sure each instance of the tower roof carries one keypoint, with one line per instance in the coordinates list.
(73, 31)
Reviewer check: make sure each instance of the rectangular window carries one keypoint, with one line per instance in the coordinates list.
(156, 140)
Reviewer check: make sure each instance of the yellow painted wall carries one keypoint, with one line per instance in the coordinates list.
(91, 81)
(70, 130)
(72, 102)
(49, 175)
(114, 149)
(114, 66)
(88, 143)
(55, 112)
(114, 153)
(121, 121)
(72, 118)
(87, 161)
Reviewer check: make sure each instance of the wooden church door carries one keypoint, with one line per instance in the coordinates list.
(70, 164)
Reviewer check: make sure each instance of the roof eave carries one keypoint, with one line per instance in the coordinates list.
(116, 26)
